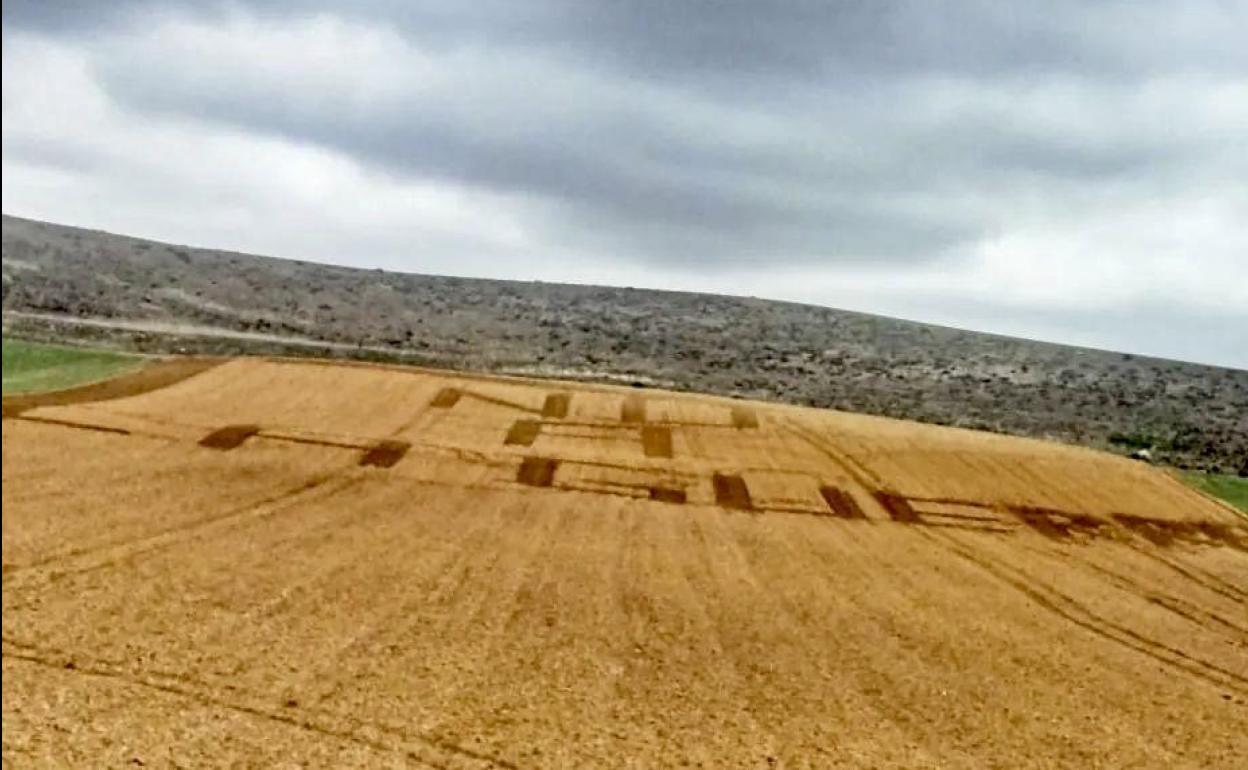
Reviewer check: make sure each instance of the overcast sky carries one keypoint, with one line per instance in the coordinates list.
(1067, 170)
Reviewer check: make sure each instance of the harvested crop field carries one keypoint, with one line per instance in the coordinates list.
(270, 561)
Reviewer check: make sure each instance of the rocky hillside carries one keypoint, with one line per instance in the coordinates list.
(66, 282)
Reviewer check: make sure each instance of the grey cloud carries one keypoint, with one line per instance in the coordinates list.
(692, 135)
(618, 162)
(64, 16)
(669, 173)
(798, 38)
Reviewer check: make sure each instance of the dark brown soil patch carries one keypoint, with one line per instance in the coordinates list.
(633, 410)
(385, 453)
(1152, 531)
(1055, 524)
(656, 440)
(556, 405)
(523, 433)
(446, 398)
(841, 503)
(743, 417)
(731, 492)
(668, 495)
(229, 437)
(898, 507)
(1165, 533)
(537, 471)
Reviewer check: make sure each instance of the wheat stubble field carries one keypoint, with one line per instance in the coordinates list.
(269, 561)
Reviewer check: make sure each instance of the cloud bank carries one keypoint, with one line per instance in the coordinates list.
(1071, 171)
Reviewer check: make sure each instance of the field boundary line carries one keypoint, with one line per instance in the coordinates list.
(1241, 516)
(154, 376)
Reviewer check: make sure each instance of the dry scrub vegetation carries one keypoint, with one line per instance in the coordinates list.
(66, 283)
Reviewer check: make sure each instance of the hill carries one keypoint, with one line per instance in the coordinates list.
(66, 283)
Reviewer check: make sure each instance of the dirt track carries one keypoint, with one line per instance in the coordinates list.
(352, 565)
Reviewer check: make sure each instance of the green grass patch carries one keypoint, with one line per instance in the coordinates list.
(1232, 489)
(32, 367)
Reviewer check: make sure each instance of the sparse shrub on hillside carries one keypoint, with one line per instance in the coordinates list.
(1190, 414)
(1133, 441)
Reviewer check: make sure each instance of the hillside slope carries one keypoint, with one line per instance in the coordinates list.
(66, 282)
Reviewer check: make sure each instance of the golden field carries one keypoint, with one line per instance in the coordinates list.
(270, 561)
